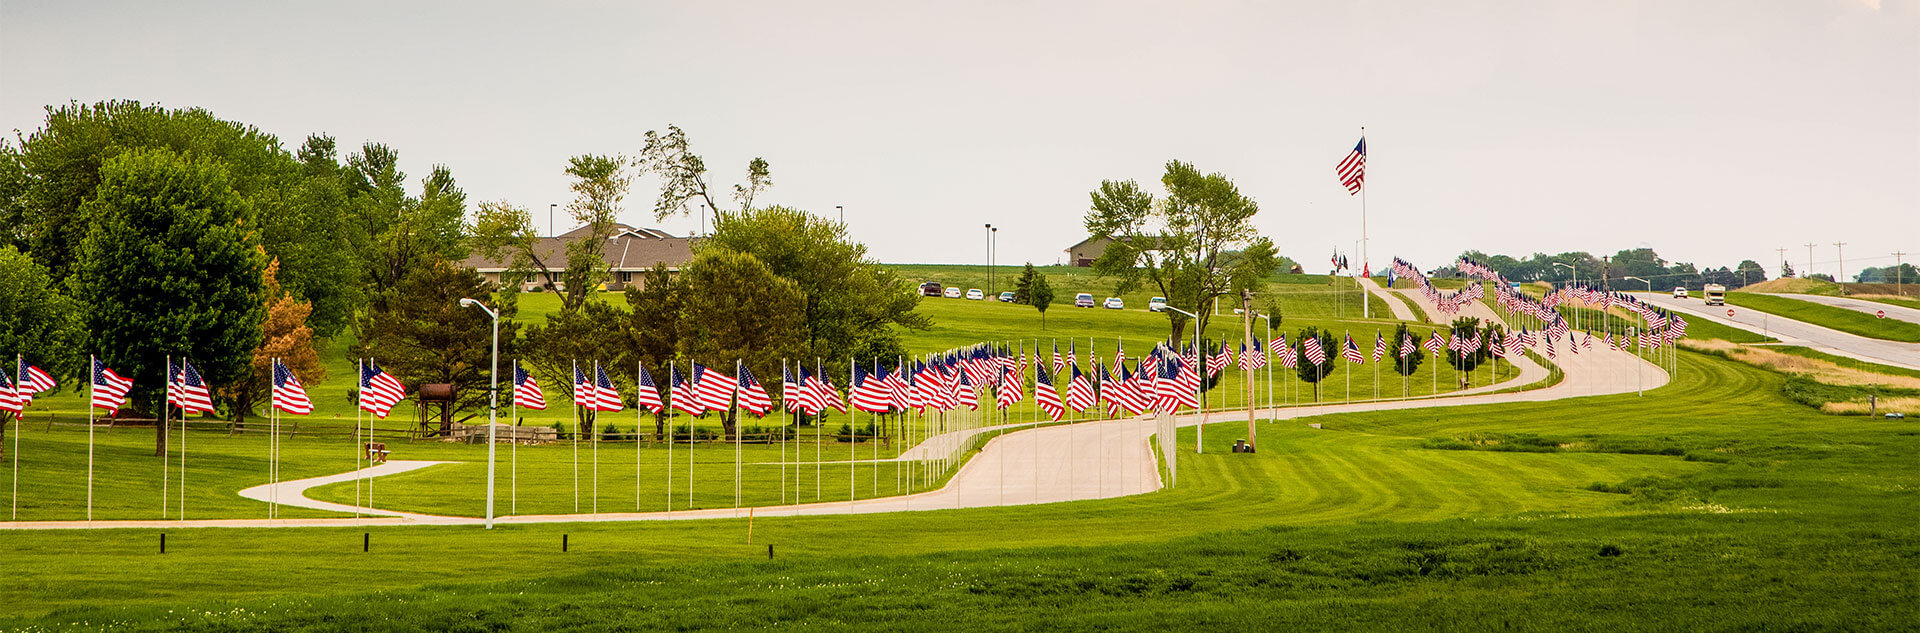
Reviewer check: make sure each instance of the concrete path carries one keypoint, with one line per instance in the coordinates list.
(1795, 332)
(1399, 310)
(1027, 465)
(1902, 313)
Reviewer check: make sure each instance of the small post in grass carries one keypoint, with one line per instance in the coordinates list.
(163, 542)
(769, 551)
(563, 543)
(366, 542)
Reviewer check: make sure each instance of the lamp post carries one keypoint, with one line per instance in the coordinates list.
(989, 258)
(1199, 430)
(1649, 283)
(843, 214)
(493, 397)
(550, 228)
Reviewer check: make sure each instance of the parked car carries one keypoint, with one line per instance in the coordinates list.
(975, 294)
(1083, 300)
(953, 293)
(1006, 297)
(1114, 303)
(1679, 292)
(930, 289)
(1157, 304)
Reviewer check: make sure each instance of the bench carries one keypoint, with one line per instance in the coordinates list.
(377, 452)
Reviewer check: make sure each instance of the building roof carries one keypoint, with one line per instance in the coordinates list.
(629, 249)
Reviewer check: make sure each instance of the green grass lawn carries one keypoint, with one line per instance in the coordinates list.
(1712, 503)
(1905, 302)
(1842, 319)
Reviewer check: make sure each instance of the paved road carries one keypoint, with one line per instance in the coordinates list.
(1088, 460)
(1795, 332)
(1902, 313)
(1400, 310)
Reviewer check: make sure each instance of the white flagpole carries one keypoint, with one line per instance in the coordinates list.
(783, 430)
(573, 410)
(734, 412)
(594, 440)
(513, 450)
(359, 368)
(690, 437)
(639, 421)
(93, 367)
(853, 436)
(667, 406)
(818, 368)
(19, 426)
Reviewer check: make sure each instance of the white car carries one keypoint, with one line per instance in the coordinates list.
(1679, 292)
(975, 294)
(1083, 300)
(1114, 303)
(953, 293)
(1157, 304)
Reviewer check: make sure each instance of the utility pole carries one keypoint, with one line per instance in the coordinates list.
(1896, 271)
(1808, 273)
(1783, 261)
(1840, 251)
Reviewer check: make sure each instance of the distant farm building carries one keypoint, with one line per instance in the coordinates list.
(629, 254)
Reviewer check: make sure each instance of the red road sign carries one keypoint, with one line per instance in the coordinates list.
(1880, 313)
(1729, 313)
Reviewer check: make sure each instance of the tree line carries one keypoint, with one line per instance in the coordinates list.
(136, 232)
(1613, 270)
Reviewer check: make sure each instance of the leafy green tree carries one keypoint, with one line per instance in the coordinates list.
(683, 176)
(1786, 270)
(597, 332)
(37, 322)
(1409, 364)
(393, 233)
(653, 328)
(1023, 285)
(743, 312)
(1197, 243)
(310, 238)
(169, 267)
(423, 335)
(1040, 295)
(853, 306)
(1308, 371)
(505, 231)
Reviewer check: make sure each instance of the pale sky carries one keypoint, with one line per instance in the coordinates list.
(1710, 131)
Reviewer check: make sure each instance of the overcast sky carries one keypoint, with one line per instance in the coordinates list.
(1710, 131)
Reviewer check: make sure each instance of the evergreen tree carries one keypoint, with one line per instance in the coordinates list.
(1411, 363)
(1023, 286)
(1040, 294)
(1306, 369)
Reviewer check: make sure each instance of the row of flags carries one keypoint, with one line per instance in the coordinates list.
(188, 390)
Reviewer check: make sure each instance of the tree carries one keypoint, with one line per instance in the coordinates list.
(169, 267)
(394, 234)
(741, 312)
(653, 328)
(1023, 286)
(1786, 270)
(596, 333)
(502, 230)
(37, 322)
(683, 176)
(1180, 245)
(1405, 365)
(284, 334)
(423, 335)
(853, 306)
(1469, 328)
(1040, 294)
(1305, 368)
(1750, 272)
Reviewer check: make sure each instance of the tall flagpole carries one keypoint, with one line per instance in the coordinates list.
(19, 426)
(513, 450)
(1366, 306)
(573, 409)
(93, 369)
(735, 414)
(638, 423)
(594, 440)
(359, 369)
(819, 369)
(166, 426)
(667, 406)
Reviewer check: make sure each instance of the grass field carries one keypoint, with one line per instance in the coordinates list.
(1842, 319)
(1712, 503)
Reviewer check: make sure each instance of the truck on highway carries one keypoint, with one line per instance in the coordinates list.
(1714, 294)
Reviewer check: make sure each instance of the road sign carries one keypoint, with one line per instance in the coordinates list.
(1729, 313)
(1880, 313)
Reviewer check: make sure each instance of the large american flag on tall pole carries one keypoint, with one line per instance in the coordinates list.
(1353, 168)
(646, 394)
(526, 390)
(288, 394)
(379, 390)
(188, 390)
(110, 389)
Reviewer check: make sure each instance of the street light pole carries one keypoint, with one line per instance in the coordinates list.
(989, 258)
(843, 214)
(493, 398)
(1649, 283)
(993, 250)
(551, 232)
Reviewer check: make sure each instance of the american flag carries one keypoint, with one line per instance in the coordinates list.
(1499, 350)
(1126, 391)
(379, 390)
(1220, 361)
(1435, 342)
(1173, 392)
(1315, 352)
(1007, 392)
(682, 393)
(714, 389)
(1059, 362)
(794, 395)
(1119, 354)
(896, 385)
(1379, 346)
(109, 389)
(1588, 341)
(1288, 358)
(1607, 337)
(526, 390)
(1550, 346)
(919, 388)
(1044, 394)
(646, 393)
(1353, 169)
(825, 391)
(34, 380)
(288, 394)
(753, 396)
(188, 390)
(605, 397)
(965, 393)
(1352, 352)
(1406, 345)
(871, 392)
(582, 388)
(1072, 358)
(9, 401)
(1079, 390)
